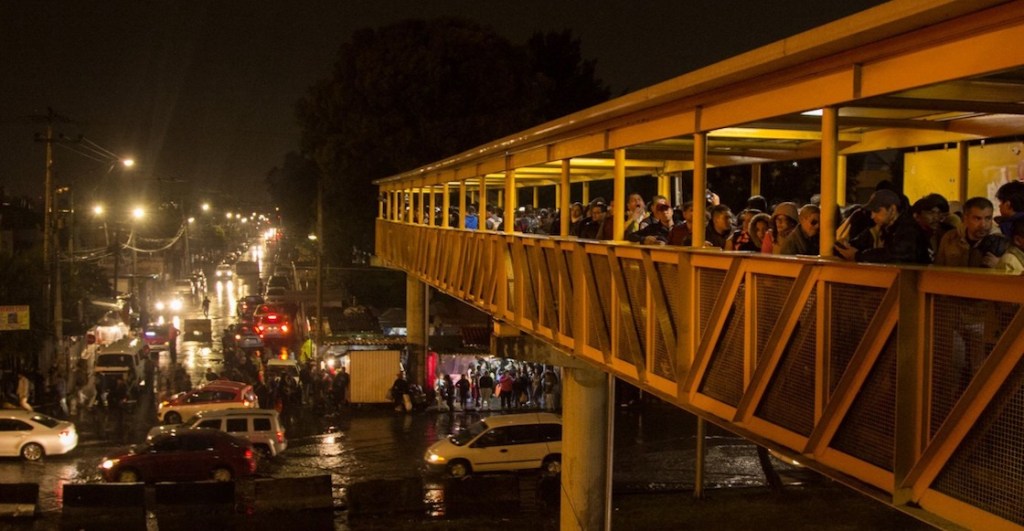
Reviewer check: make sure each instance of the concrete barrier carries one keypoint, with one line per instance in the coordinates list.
(194, 505)
(486, 495)
(386, 496)
(18, 499)
(293, 494)
(104, 506)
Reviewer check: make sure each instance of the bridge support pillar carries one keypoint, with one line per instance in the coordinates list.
(416, 293)
(586, 451)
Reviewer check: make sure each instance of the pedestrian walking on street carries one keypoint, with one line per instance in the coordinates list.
(24, 388)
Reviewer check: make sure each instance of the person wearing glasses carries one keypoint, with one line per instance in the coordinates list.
(804, 240)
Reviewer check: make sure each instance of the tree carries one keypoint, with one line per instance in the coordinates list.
(408, 94)
(294, 186)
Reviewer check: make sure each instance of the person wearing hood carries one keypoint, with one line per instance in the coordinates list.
(784, 220)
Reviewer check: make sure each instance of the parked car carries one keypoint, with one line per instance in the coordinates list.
(242, 336)
(276, 294)
(218, 394)
(183, 455)
(34, 435)
(501, 443)
(157, 336)
(284, 368)
(273, 326)
(123, 358)
(261, 427)
(247, 305)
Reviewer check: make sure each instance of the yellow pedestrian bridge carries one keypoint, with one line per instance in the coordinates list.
(903, 382)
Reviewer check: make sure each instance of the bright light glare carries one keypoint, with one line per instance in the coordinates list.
(229, 215)
(176, 305)
(312, 237)
(159, 306)
(138, 213)
(206, 207)
(128, 163)
(191, 220)
(815, 112)
(98, 210)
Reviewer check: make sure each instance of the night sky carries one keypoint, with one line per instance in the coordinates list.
(203, 91)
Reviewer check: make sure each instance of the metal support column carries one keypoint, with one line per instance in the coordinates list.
(416, 316)
(433, 207)
(963, 170)
(446, 206)
(700, 184)
(586, 453)
(510, 201)
(462, 204)
(564, 199)
(829, 179)
(698, 481)
(755, 180)
(618, 197)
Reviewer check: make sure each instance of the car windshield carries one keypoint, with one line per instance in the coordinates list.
(463, 437)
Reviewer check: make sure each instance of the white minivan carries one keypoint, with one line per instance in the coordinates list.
(501, 443)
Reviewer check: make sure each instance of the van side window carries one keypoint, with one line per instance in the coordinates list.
(550, 432)
(237, 425)
(524, 434)
(261, 424)
(212, 423)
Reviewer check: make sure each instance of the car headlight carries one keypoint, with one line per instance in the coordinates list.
(434, 458)
(159, 306)
(176, 305)
(107, 464)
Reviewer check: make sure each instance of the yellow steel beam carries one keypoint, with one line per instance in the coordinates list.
(700, 184)
(829, 181)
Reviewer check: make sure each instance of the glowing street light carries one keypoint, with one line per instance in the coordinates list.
(97, 210)
(127, 163)
(138, 213)
(229, 215)
(206, 207)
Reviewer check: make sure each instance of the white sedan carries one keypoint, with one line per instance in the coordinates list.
(33, 435)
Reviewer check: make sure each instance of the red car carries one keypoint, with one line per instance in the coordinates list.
(183, 455)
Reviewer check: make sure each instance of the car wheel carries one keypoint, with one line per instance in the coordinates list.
(221, 474)
(32, 452)
(458, 469)
(552, 465)
(172, 418)
(127, 476)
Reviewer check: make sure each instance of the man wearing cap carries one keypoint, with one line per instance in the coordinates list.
(961, 247)
(900, 239)
(655, 233)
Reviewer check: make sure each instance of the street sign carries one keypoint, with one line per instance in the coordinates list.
(13, 318)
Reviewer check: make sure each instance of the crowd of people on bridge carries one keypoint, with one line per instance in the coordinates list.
(886, 229)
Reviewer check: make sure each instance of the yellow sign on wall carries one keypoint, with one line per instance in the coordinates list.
(13, 318)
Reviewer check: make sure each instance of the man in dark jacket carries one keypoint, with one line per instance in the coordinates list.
(900, 239)
(657, 231)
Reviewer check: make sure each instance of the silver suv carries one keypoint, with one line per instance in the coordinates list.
(261, 427)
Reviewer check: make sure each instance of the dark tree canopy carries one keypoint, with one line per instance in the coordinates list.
(414, 92)
(294, 186)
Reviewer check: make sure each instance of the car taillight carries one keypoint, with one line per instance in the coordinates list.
(280, 436)
(284, 329)
(259, 330)
(66, 433)
(248, 453)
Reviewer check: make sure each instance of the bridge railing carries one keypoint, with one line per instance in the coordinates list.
(904, 382)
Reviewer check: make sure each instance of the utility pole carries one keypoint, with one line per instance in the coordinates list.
(319, 262)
